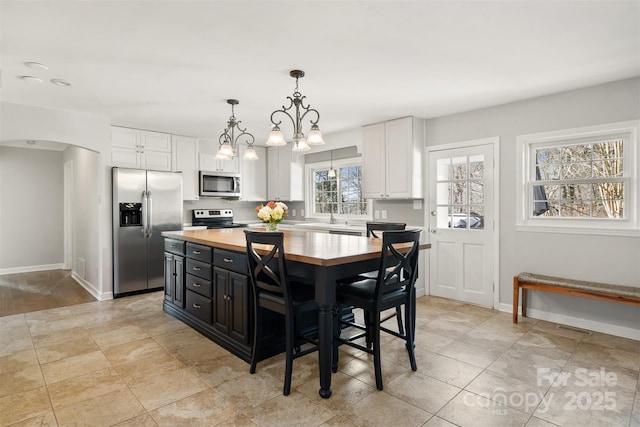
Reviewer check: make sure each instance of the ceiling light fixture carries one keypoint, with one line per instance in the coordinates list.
(300, 142)
(30, 79)
(229, 141)
(60, 82)
(332, 171)
(36, 65)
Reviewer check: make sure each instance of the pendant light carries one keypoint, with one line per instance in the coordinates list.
(229, 141)
(276, 138)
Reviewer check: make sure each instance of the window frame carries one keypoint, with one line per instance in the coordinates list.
(526, 146)
(310, 168)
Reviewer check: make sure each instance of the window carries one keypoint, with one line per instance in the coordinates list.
(340, 195)
(580, 179)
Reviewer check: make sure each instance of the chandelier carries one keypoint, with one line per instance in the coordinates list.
(301, 110)
(229, 141)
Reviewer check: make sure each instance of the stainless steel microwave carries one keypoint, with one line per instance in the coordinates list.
(219, 184)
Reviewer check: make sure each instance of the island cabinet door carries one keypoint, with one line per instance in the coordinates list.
(239, 307)
(220, 300)
(174, 279)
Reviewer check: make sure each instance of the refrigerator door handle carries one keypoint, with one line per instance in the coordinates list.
(145, 208)
(150, 213)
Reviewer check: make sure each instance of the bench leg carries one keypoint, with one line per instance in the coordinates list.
(524, 302)
(516, 291)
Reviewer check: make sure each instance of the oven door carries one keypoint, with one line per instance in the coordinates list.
(219, 184)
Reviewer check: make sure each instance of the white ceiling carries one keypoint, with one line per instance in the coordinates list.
(170, 65)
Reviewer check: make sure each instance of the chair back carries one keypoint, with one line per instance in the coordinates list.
(268, 271)
(398, 266)
(372, 227)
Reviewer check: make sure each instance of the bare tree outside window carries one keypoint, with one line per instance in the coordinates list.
(341, 194)
(583, 180)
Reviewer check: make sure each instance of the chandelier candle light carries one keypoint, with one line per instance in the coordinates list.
(272, 213)
(229, 141)
(276, 138)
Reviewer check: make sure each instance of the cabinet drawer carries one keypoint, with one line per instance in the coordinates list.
(174, 246)
(199, 269)
(234, 261)
(199, 285)
(199, 252)
(199, 306)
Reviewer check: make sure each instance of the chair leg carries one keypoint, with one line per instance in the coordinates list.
(256, 334)
(289, 331)
(408, 311)
(376, 353)
(399, 319)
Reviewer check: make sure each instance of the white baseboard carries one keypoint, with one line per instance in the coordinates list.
(605, 328)
(31, 269)
(100, 296)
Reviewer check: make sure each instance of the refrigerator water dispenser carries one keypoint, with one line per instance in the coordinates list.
(130, 214)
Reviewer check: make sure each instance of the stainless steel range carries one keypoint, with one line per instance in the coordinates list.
(214, 218)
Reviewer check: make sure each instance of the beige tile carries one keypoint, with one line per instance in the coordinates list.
(24, 379)
(45, 420)
(154, 391)
(536, 338)
(286, 411)
(590, 353)
(472, 351)
(562, 330)
(338, 421)
(138, 359)
(382, 409)
(431, 341)
(635, 413)
(24, 405)
(15, 321)
(446, 369)
(238, 421)
(63, 344)
(74, 366)
(422, 391)
(15, 342)
(346, 391)
(438, 422)
(469, 409)
(176, 340)
(159, 323)
(108, 337)
(612, 341)
(43, 326)
(587, 406)
(206, 408)
(526, 363)
(537, 422)
(143, 420)
(507, 391)
(104, 410)
(19, 361)
(215, 371)
(477, 311)
(250, 390)
(599, 373)
(84, 387)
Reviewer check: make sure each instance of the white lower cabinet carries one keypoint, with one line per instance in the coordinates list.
(185, 159)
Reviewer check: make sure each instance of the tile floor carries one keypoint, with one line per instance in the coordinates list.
(125, 362)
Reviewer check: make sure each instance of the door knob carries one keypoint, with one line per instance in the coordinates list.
(432, 230)
(434, 213)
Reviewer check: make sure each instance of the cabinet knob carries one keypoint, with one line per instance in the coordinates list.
(196, 252)
(196, 305)
(228, 260)
(195, 268)
(196, 285)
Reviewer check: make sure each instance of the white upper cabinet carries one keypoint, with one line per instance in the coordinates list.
(140, 149)
(184, 159)
(208, 162)
(285, 174)
(392, 159)
(253, 175)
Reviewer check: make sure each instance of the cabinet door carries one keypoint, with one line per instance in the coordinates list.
(125, 137)
(184, 158)
(373, 161)
(230, 165)
(253, 184)
(272, 173)
(178, 290)
(239, 307)
(169, 277)
(155, 141)
(399, 144)
(284, 173)
(155, 160)
(220, 297)
(125, 157)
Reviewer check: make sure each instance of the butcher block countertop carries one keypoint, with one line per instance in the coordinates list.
(304, 246)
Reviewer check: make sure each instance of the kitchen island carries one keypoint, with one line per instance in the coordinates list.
(321, 257)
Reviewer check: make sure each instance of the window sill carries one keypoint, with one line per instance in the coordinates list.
(579, 230)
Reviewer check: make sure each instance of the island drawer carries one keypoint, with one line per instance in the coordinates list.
(174, 246)
(200, 269)
(199, 306)
(233, 261)
(199, 252)
(199, 285)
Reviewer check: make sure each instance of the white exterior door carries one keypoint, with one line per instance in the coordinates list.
(461, 223)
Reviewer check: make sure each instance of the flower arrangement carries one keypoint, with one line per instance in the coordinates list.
(272, 213)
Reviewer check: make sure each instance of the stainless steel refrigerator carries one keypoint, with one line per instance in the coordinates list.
(145, 203)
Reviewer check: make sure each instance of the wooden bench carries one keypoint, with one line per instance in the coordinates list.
(579, 288)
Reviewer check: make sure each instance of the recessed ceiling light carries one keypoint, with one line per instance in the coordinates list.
(30, 79)
(36, 65)
(60, 82)
(31, 142)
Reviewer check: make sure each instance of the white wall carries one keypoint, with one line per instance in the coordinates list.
(21, 122)
(31, 218)
(597, 258)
